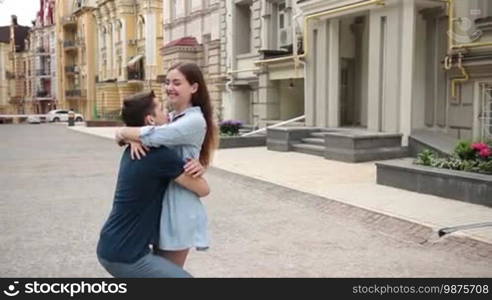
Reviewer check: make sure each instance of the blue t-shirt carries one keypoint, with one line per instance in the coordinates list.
(133, 223)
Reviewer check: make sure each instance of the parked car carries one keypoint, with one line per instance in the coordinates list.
(61, 115)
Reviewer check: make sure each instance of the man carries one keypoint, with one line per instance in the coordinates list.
(133, 224)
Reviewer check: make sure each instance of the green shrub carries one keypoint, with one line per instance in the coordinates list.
(467, 156)
(230, 127)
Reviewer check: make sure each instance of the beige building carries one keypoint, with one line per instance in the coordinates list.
(192, 33)
(5, 73)
(42, 45)
(13, 68)
(129, 34)
(77, 48)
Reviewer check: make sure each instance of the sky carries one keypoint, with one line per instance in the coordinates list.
(25, 10)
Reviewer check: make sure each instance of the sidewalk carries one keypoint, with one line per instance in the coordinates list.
(352, 184)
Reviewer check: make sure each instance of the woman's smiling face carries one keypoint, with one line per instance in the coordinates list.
(178, 89)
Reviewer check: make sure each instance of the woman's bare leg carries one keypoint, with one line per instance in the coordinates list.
(178, 257)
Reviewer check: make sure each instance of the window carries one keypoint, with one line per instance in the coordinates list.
(244, 27)
(174, 9)
(141, 27)
(103, 37)
(118, 27)
(284, 24)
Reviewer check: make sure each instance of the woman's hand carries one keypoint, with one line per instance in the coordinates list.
(194, 168)
(138, 150)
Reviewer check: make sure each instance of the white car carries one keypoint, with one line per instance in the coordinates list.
(61, 115)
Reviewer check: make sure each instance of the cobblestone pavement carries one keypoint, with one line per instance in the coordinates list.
(57, 187)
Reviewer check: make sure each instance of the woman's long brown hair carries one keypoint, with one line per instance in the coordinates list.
(201, 98)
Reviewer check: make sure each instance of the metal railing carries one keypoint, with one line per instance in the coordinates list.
(71, 69)
(42, 72)
(70, 44)
(43, 94)
(74, 93)
(136, 75)
(276, 125)
(9, 75)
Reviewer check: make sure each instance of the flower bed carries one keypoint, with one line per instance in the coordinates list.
(467, 156)
(230, 127)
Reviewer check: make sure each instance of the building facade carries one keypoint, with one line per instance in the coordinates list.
(129, 34)
(13, 68)
(391, 66)
(43, 42)
(76, 29)
(265, 83)
(192, 33)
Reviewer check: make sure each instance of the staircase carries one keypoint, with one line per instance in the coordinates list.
(351, 145)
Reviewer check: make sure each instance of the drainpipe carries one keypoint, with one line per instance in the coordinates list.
(448, 60)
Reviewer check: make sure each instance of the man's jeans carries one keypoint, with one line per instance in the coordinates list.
(149, 266)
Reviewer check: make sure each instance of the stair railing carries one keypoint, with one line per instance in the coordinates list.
(275, 125)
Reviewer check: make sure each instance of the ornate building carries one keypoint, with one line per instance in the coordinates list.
(43, 48)
(77, 46)
(13, 69)
(129, 34)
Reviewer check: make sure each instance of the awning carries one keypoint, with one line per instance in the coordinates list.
(134, 60)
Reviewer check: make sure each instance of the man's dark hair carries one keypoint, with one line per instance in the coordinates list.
(136, 107)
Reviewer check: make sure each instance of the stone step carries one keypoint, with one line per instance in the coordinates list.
(314, 141)
(293, 124)
(318, 135)
(362, 155)
(309, 149)
(358, 140)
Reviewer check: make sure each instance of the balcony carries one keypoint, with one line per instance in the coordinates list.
(69, 22)
(43, 72)
(136, 75)
(72, 70)
(75, 94)
(9, 75)
(70, 45)
(43, 94)
(42, 51)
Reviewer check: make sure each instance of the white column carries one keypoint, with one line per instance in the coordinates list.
(333, 73)
(320, 61)
(407, 68)
(374, 72)
(150, 46)
(310, 79)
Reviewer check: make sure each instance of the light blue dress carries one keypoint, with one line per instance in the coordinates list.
(184, 217)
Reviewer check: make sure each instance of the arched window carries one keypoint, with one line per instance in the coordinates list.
(103, 37)
(141, 27)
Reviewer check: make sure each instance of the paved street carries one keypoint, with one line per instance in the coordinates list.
(57, 187)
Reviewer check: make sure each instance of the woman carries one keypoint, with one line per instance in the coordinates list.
(192, 134)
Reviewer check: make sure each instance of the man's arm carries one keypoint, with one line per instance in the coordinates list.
(197, 185)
